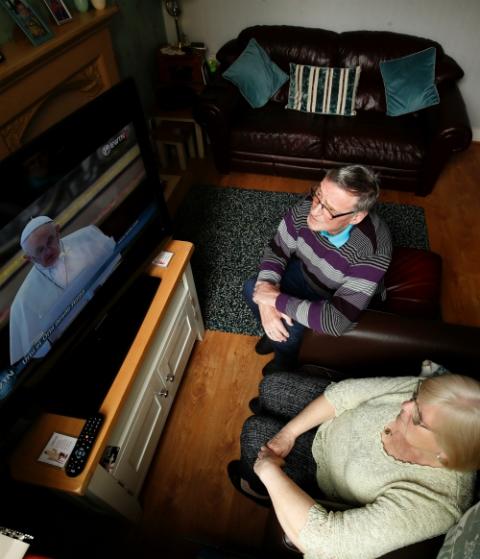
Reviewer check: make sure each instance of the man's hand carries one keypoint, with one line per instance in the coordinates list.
(272, 323)
(265, 293)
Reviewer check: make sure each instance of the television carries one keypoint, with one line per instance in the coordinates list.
(82, 214)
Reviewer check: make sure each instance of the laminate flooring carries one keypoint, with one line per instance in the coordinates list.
(187, 499)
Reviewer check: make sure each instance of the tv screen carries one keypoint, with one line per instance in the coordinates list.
(82, 213)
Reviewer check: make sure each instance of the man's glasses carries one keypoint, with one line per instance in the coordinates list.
(416, 415)
(316, 197)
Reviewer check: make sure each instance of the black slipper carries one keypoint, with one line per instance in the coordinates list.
(264, 345)
(233, 470)
(255, 406)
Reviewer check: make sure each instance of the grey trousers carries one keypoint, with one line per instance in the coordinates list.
(282, 396)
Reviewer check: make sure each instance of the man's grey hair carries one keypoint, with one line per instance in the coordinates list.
(358, 180)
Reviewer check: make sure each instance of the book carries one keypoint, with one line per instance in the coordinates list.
(57, 450)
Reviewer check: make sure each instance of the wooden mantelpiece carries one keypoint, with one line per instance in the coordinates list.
(41, 85)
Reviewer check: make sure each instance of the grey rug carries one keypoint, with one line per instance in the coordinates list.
(230, 227)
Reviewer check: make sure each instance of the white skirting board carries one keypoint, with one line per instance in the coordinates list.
(476, 134)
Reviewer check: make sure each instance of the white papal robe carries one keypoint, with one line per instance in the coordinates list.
(40, 301)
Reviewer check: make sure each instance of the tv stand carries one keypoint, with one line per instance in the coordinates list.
(136, 405)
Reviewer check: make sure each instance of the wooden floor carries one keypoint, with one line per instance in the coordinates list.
(188, 500)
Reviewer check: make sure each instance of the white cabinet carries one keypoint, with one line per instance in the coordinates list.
(141, 421)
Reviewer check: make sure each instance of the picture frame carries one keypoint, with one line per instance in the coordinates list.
(28, 20)
(59, 11)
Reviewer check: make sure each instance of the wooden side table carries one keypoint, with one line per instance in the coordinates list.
(181, 70)
(176, 134)
(183, 115)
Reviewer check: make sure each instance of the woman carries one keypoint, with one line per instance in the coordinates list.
(400, 452)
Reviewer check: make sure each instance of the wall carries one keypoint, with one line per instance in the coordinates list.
(136, 32)
(453, 23)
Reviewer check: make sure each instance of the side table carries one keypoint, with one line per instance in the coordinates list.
(176, 134)
(183, 115)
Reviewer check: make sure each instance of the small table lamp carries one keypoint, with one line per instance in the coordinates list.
(174, 10)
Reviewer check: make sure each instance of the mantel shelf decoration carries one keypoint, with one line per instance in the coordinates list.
(28, 20)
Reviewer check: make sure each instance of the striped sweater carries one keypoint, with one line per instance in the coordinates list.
(345, 278)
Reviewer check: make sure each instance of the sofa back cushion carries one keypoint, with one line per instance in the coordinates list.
(285, 44)
(368, 48)
(319, 47)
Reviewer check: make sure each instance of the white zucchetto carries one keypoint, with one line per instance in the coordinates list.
(31, 226)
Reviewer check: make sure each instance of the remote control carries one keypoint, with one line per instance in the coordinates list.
(83, 446)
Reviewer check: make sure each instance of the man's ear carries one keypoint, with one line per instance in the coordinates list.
(358, 217)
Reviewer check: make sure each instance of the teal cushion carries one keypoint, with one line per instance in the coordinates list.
(410, 82)
(463, 540)
(323, 90)
(255, 75)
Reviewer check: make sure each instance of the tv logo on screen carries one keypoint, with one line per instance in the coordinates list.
(112, 144)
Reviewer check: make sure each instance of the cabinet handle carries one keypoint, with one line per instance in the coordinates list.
(170, 378)
(163, 392)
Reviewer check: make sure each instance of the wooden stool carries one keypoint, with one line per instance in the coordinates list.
(177, 135)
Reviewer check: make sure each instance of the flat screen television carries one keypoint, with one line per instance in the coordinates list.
(82, 214)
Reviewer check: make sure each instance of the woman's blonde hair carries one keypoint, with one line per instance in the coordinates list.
(458, 428)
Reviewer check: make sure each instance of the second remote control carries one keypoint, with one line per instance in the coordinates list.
(83, 446)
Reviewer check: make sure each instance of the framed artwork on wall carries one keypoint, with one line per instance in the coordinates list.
(59, 11)
(28, 20)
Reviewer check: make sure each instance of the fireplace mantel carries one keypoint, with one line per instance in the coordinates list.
(41, 85)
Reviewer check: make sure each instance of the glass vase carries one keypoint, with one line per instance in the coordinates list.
(99, 4)
(81, 5)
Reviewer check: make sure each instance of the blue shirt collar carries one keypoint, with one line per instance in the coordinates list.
(339, 239)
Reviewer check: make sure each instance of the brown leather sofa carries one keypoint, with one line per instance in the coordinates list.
(408, 151)
(385, 344)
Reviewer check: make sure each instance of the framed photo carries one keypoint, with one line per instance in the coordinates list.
(28, 20)
(59, 11)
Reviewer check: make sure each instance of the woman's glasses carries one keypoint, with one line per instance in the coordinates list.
(416, 415)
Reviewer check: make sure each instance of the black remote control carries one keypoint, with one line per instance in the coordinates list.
(83, 446)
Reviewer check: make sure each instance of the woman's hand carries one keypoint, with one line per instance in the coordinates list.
(282, 443)
(267, 460)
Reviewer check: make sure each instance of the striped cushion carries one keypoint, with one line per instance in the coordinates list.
(329, 91)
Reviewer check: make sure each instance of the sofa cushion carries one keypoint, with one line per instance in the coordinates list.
(369, 48)
(373, 138)
(273, 130)
(410, 82)
(323, 90)
(285, 44)
(255, 75)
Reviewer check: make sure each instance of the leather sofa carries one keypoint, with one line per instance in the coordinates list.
(409, 151)
(384, 344)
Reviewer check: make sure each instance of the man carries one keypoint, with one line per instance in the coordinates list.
(62, 268)
(323, 266)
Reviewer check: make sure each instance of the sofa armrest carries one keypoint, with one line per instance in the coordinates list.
(448, 123)
(215, 110)
(388, 344)
(448, 131)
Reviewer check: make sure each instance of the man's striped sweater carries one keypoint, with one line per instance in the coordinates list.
(348, 277)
